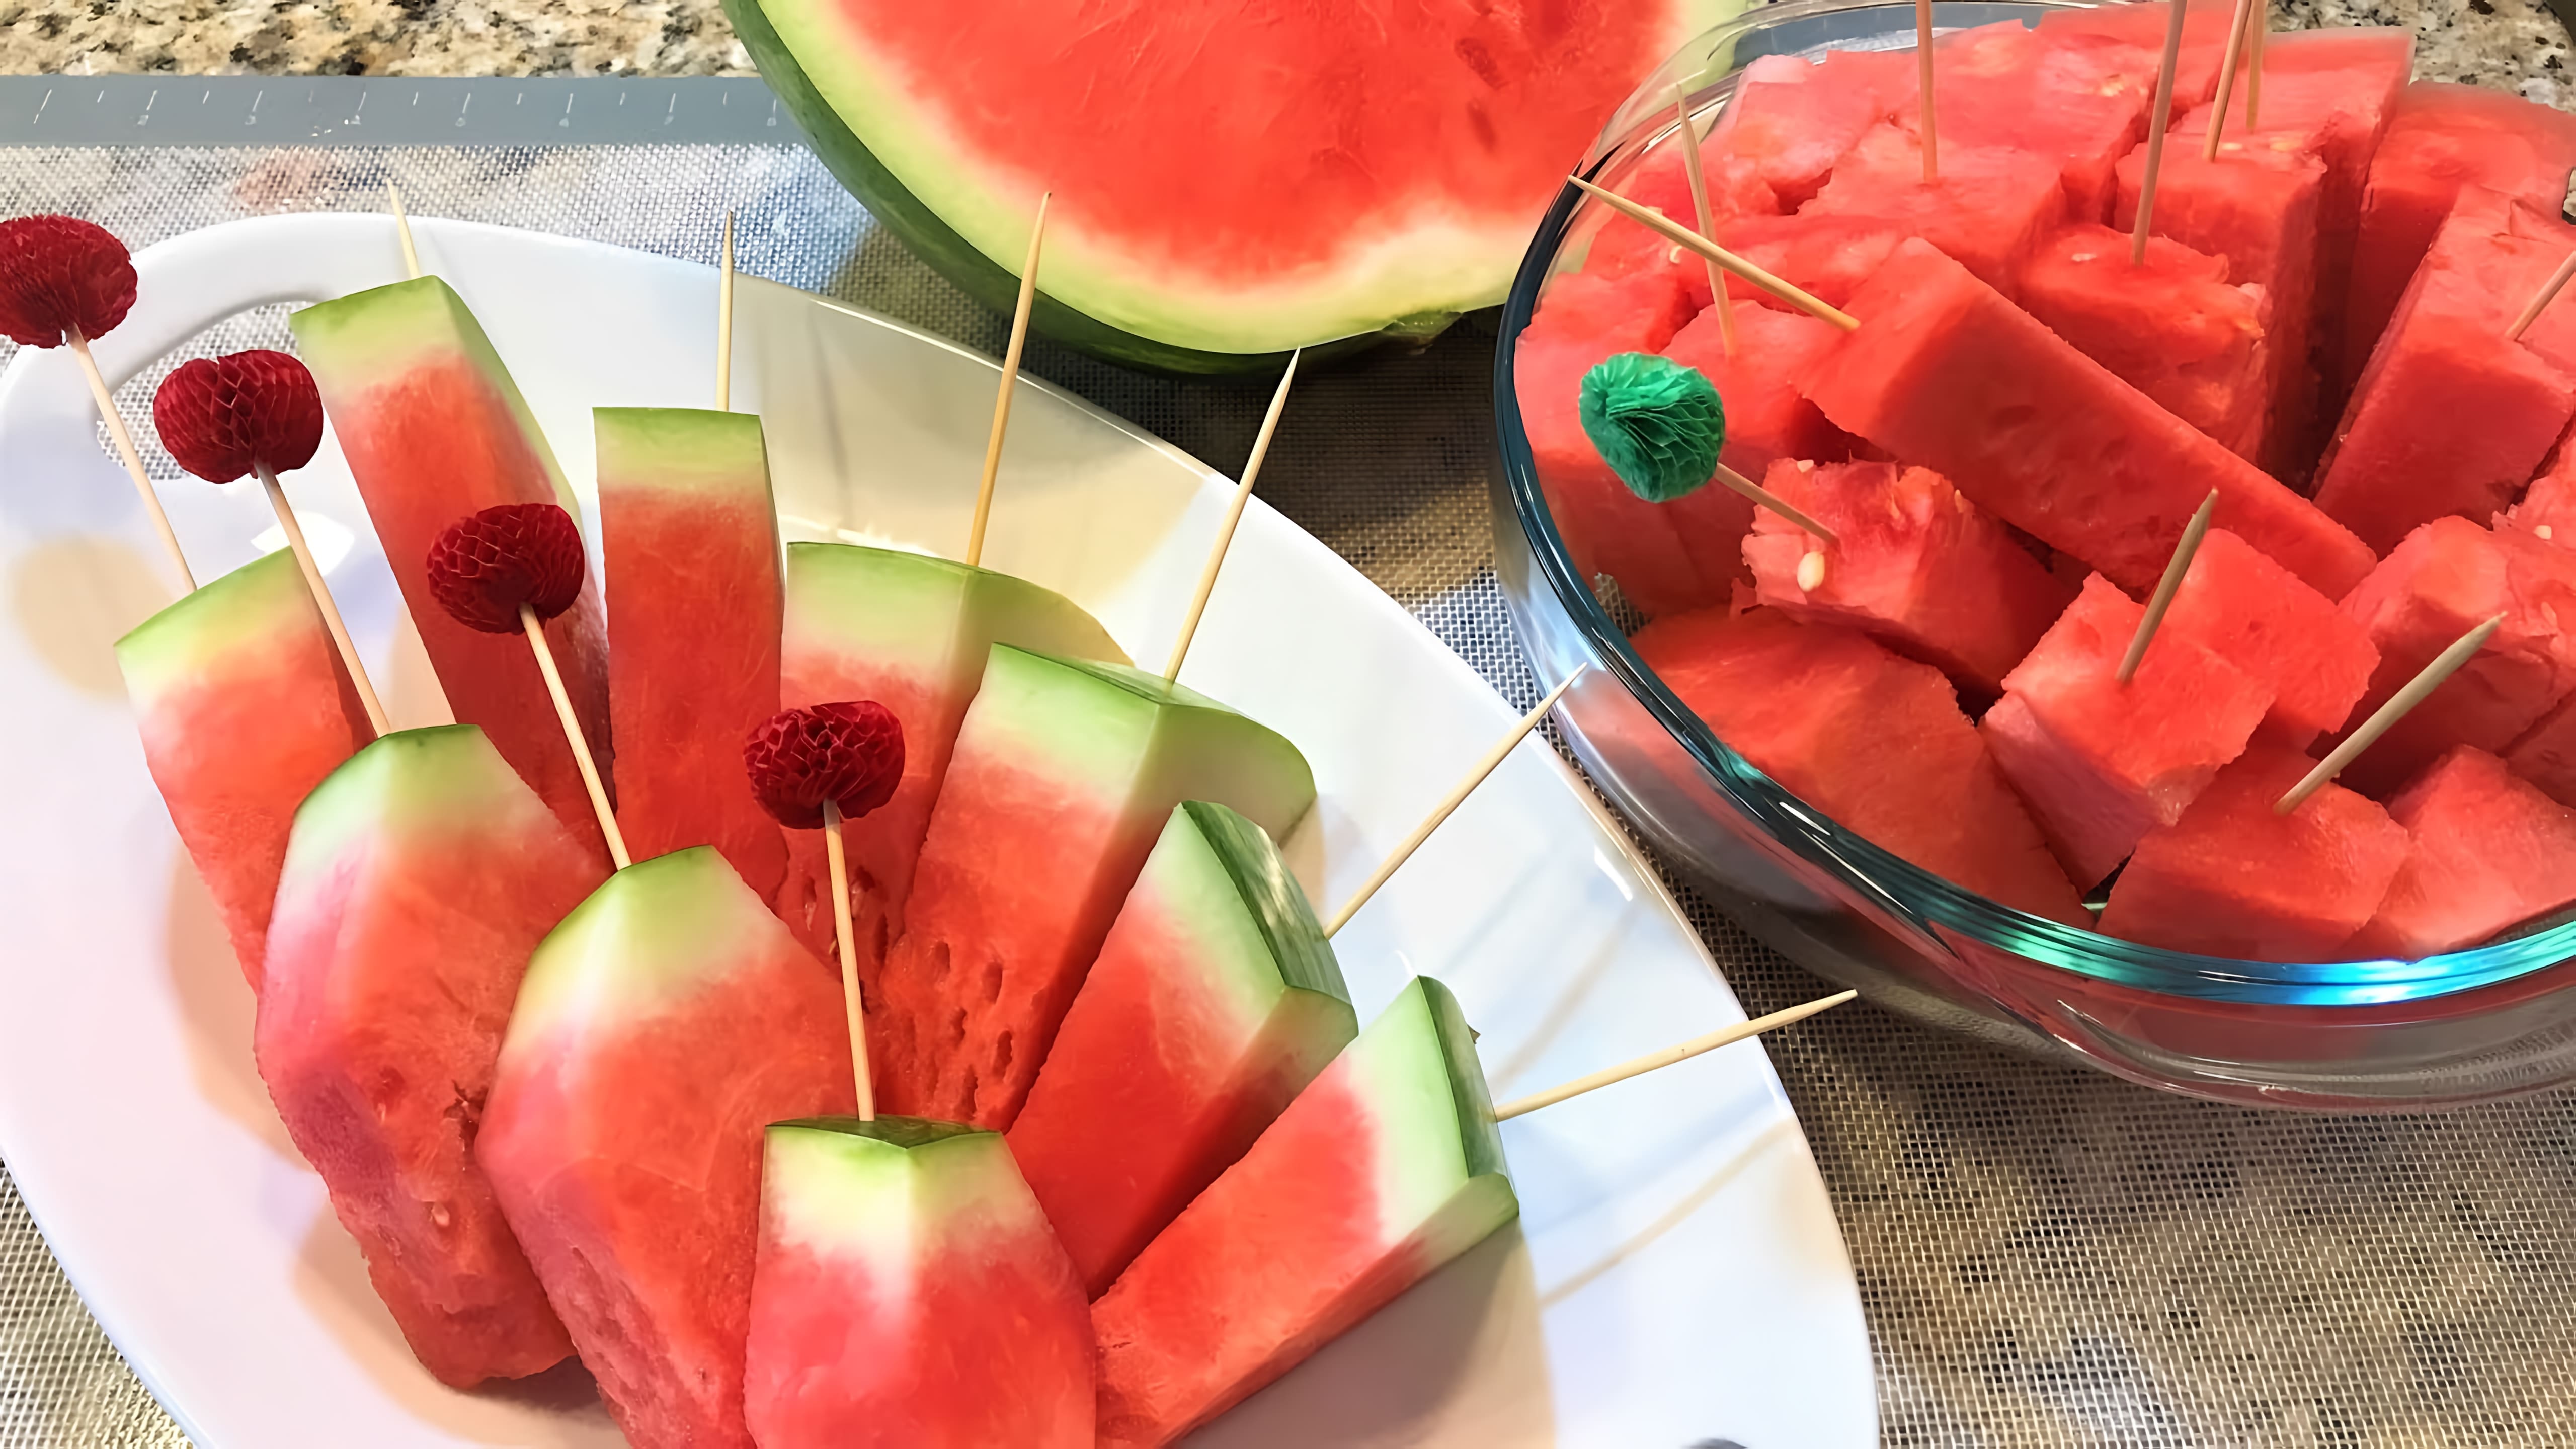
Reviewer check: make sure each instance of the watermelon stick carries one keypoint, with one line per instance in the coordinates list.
(2540, 302)
(2168, 586)
(1707, 220)
(1233, 516)
(1651, 1061)
(2444, 665)
(1673, 231)
(1923, 70)
(2238, 41)
(724, 323)
(1010, 384)
(402, 231)
(2156, 125)
(1440, 812)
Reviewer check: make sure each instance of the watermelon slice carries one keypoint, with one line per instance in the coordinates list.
(2486, 852)
(1369, 177)
(2234, 878)
(2255, 614)
(1945, 372)
(2205, 30)
(1916, 566)
(1214, 1002)
(910, 632)
(1874, 741)
(2174, 329)
(243, 708)
(1990, 209)
(1384, 1169)
(434, 430)
(2100, 762)
(1063, 775)
(663, 1025)
(909, 1295)
(691, 539)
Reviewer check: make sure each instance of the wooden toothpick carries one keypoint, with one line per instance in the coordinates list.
(2261, 31)
(1673, 231)
(1493, 758)
(1774, 502)
(124, 441)
(2156, 126)
(1923, 70)
(1233, 516)
(1706, 216)
(1010, 383)
(2238, 42)
(2444, 665)
(2540, 302)
(536, 632)
(2168, 586)
(724, 323)
(849, 959)
(1696, 1046)
(322, 599)
(402, 231)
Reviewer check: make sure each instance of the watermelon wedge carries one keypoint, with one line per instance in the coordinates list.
(243, 708)
(910, 632)
(434, 430)
(691, 541)
(421, 877)
(1990, 209)
(1215, 1001)
(2486, 852)
(664, 1025)
(1255, 179)
(909, 1295)
(2255, 614)
(1064, 774)
(1384, 1169)
(2174, 329)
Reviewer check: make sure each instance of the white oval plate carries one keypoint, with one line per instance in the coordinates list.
(1676, 1278)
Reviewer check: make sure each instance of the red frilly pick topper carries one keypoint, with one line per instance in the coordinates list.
(58, 273)
(851, 754)
(485, 566)
(222, 417)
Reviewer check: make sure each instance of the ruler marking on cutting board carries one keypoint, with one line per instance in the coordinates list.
(130, 110)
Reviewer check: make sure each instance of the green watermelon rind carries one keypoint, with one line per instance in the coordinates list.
(409, 777)
(906, 1133)
(219, 616)
(891, 1190)
(640, 944)
(878, 600)
(1440, 1166)
(1271, 897)
(676, 448)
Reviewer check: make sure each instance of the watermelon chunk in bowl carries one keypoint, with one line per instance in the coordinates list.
(2176, 328)
(2486, 851)
(2260, 617)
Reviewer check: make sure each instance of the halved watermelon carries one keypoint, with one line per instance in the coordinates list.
(1215, 1001)
(1230, 181)
(691, 544)
(909, 1295)
(1387, 1167)
(2486, 852)
(2175, 328)
(1989, 210)
(2255, 614)
(243, 708)
(1063, 775)
(663, 1026)
(434, 430)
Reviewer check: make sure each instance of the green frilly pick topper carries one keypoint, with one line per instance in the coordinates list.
(1659, 424)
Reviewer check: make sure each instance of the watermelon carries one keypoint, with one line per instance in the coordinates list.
(1872, 740)
(662, 1026)
(421, 875)
(1385, 1168)
(2174, 329)
(2079, 101)
(1989, 210)
(434, 430)
(2232, 877)
(1621, 245)
(1944, 371)
(1229, 182)
(2205, 33)
(691, 541)
(2548, 506)
(1828, 255)
(908, 1294)
(1215, 1001)
(2486, 852)
(2255, 614)
(1795, 121)
(1915, 566)
(2102, 763)
(1063, 775)
(1766, 420)
(243, 707)
(910, 632)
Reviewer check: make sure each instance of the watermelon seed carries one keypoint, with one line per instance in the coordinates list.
(1811, 572)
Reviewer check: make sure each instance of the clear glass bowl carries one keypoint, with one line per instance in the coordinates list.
(2343, 1036)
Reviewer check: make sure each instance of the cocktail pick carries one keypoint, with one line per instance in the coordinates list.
(724, 323)
(2238, 41)
(2540, 300)
(2156, 126)
(64, 281)
(2168, 586)
(2259, 31)
(1661, 427)
(1923, 73)
(2444, 665)
(1010, 384)
(818, 767)
(259, 413)
(402, 230)
(1233, 516)
(1681, 1052)
(1706, 217)
(509, 569)
(1673, 231)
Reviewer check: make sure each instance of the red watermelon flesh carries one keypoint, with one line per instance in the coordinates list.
(664, 1025)
(2548, 506)
(1828, 255)
(2234, 878)
(1872, 740)
(1990, 208)
(2486, 851)
(1946, 372)
(2205, 28)
(1384, 1169)
(1796, 121)
(421, 876)
(243, 708)
(2545, 754)
(1622, 246)
(1766, 420)
(2174, 329)
(1915, 566)
(2260, 617)
(2079, 101)
(2101, 763)
(908, 1295)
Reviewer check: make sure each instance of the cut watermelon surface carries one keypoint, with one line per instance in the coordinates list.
(2205, 29)
(2486, 852)
(1387, 1167)
(1064, 774)
(1872, 740)
(1215, 1001)
(421, 877)
(909, 1295)
(243, 708)
(1766, 420)
(434, 430)
(691, 542)
(1622, 246)
(2078, 100)
(2174, 329)
(2548, 506)
(1256, 179)
(2255, 614)
(662, 1026)
(1828, 255)
(1989, 209)
(1795, 121)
